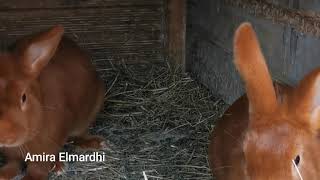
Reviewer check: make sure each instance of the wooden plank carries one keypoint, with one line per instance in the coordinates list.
(176, 24)
(306, 56)
(40, 4)
(303, 20)
(306, 50)
(209, 48)
(287, 30)
(131, 33)
(309, 5)
(283, 3)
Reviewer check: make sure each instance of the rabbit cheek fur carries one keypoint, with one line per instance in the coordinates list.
(49, 93)
(271, 133)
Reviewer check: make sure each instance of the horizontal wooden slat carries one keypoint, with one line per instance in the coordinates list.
(37, 4)
(283, 3)
(130, 33)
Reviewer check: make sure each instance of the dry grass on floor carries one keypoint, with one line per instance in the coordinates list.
(157, 123)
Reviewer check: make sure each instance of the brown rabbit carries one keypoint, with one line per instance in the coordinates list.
(49, 92)
(272, 133)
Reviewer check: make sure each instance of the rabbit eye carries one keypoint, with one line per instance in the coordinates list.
(23, 98)
(297, 160)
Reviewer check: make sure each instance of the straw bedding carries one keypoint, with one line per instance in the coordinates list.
(156, 122)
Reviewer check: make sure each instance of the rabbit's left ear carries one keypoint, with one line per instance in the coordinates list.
(253, 70)
(38, 52)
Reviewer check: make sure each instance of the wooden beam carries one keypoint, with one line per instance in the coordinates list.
(299, 19)
(51, 4)
(176, 24)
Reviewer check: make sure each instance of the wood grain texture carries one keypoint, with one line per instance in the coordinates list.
(288, 34)
(130, 31)
(52, 4)
(176, 15)
(211, 27)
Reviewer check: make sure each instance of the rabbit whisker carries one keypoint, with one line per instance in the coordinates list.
(49, 107)
(20, 150)
(297, 169)
(221, 168)
(229, 134)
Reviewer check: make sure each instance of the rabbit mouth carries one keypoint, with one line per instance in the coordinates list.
(14, 140)
(11, 145)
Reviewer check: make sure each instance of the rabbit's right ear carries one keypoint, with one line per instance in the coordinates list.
(307, 99)
(37, 52)
(252, 67)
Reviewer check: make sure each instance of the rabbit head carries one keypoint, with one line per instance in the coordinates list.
(281, 141)
(20, 97)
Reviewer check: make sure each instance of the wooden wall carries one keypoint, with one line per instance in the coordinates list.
(288, 30)
(128, 30)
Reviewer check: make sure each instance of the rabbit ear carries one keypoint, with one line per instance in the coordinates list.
(253, 70)
(40, 49)
(307, 97)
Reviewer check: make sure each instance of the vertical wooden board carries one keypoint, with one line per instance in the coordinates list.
(176, 22)
(306, 51)
(208, 58)
(212, 74)
(306, 56)
(212, 32)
